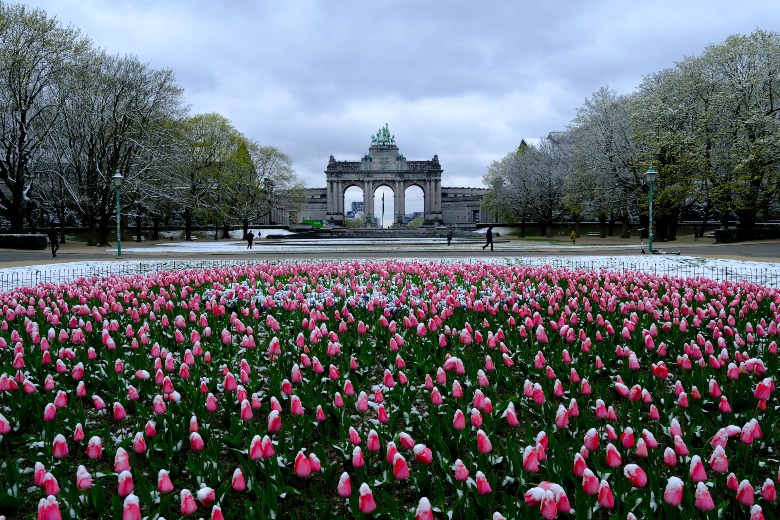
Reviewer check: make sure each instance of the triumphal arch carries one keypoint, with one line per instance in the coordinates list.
(384, 165)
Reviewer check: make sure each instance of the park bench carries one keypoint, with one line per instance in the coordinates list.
(594, 234)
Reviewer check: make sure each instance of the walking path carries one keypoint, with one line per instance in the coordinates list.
(758, 262)
(286, 249)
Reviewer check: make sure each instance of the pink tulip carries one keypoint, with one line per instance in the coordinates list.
(372, 441)
(49, 412)
(673, 493)
(697, 471)
(358, 461)
(121, 460)
(83, 479)
(94, 448)
(296, 408)
(483, 486)
(461, 471)
(131, 510)
(188, 504)
(302, 466)
(246, 413)
(579, 465)
(354, 437)
(366, 502)
(124, 484)
(590, 484)
(605, 499)
(614, 460)
(164, 484)
(50, 485)
(703, 498)
(407, 442)
(635, 475)
(423, 454)
(745, 493)
(206, 496)
(531, 459)
(768, 490)
(459, 421)
(400, 467)
(274, 421)
(59, 447)
(345, 487)
(238, 482)
(483, 443)
(424, 511)
(49, 509)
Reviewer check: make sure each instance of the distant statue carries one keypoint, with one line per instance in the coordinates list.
(383, 137)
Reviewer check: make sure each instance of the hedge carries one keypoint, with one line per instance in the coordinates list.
(24, 241)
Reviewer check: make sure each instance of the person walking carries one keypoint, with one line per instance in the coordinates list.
(696, 235)
(249, 238)
(449, 236)
(573, 237)
(54, 242)
(489, 238)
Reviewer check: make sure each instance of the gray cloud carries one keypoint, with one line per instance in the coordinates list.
(465, 80)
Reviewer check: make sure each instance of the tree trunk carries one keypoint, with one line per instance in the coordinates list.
(611, 228)
(103, 233)
(577, 226)
(245, 225)
(626, 232)
(138, 221)
(187, 224)
(155, 228)
(603, 224)
(225, 230)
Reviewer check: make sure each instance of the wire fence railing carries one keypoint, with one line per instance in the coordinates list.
(766, 276)
(30, 276)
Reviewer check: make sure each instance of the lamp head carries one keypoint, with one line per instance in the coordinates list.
(117, 179)
(651, 174)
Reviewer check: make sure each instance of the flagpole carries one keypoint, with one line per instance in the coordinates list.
(383, 210)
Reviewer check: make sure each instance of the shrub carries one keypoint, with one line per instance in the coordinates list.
(24, 241)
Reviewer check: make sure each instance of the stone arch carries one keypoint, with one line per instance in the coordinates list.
(352, 193)
(414, 198)
(384, 165)
(385, 209)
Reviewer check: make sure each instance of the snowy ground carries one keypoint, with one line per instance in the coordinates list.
(291, 245)
(685, 266)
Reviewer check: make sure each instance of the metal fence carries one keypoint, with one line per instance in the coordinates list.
(31, 276)
(28, 277)
(767, 276)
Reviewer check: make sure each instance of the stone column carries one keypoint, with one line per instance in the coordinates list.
(368, 202)
(400, 201)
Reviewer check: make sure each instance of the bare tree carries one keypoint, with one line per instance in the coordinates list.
(35, 53)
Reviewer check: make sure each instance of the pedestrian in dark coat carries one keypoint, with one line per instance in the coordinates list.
(449, 236)
(489, 238)
(54, 242)
(249, 238)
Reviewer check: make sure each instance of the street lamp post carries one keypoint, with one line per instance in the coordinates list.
(117, 180)
(650, 174)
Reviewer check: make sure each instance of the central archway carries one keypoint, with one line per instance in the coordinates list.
(384, 165)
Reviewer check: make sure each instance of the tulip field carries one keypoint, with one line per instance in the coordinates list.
(389, 389)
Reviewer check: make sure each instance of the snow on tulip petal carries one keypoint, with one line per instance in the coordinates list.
(366, 501)
(131, 509)
(673, 493)
(188, 504)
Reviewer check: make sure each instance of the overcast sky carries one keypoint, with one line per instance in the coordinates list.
(465, 80)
